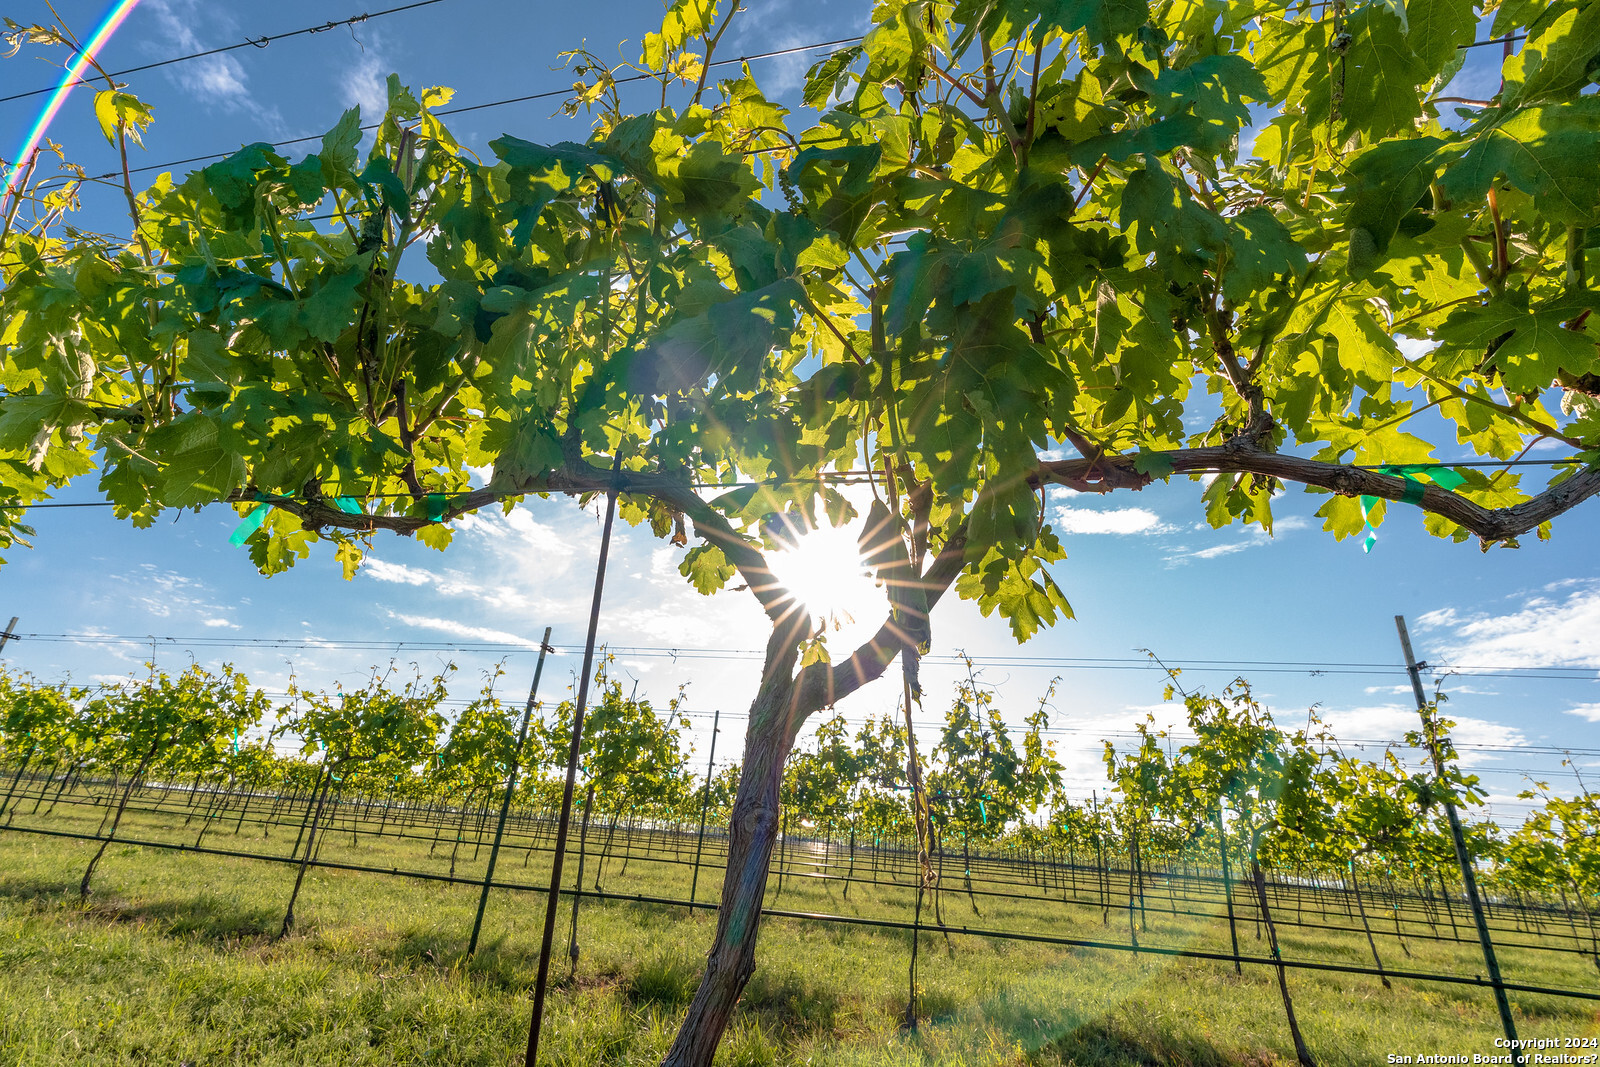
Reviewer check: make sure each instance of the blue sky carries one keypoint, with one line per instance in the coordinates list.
(1143, 569)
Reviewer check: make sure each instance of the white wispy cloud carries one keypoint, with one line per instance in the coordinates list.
(1586, 711)
(771, 25)
(1227, 549)
(1111, 521)
(787, 74)
(1437, 619)
(461, 629)
(664, 566)
(365, 82)
(508, 594)
(180, 600)
(1454, 690)
(1183, 554)
(215, 81)
(519, 528)
(1246, 538)
(1414, 347)
(1390, 722)
(1560, 631)
(398, 573)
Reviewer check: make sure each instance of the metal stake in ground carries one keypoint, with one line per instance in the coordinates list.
(716, 717)
(11, 628)
(925, 873)
(572, 775)
(511, 787)
(1227, 886)
(1469, 880)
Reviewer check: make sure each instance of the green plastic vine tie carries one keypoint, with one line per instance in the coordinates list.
(258, 515)
(1444, 477)
(252, 522)
(437, 505)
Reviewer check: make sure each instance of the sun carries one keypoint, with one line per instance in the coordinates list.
(824, 572)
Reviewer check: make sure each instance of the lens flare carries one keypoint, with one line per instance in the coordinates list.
(69, 79)
(824, 572)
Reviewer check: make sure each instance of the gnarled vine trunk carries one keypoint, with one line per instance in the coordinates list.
(775, 720)
(781, 706)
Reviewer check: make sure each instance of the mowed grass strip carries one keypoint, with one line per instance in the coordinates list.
(174, 961)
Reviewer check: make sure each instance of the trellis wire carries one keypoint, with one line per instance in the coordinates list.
(880, 923)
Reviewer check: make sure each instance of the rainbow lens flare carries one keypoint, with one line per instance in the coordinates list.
(69, 79)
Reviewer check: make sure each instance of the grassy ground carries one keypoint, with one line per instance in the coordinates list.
(175, 961)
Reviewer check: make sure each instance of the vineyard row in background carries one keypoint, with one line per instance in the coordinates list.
(1341, 862)
(1291, 801)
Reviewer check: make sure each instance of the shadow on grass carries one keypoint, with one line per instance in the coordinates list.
(39, 891)
(793, 1004)
(1105, 1044)
(777, 1001)
(207, 917)
(666, 979)
(418, 946)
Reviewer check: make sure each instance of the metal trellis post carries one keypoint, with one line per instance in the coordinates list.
(1469, 880)
(511, 788)
(705, 804)
(565, 821)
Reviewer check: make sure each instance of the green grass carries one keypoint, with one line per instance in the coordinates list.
(175, 961)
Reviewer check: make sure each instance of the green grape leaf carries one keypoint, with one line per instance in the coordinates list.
(1551, 153)
(707, 568)
(338, 155)
(1382, 185)
(1557, 59)
(1529, 347)
(116, 110)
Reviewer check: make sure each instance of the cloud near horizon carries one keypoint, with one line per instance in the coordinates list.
(1548, 631)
